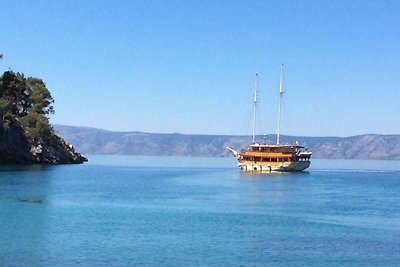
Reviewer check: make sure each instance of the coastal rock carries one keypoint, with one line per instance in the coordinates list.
(57, 151)
(15, 148)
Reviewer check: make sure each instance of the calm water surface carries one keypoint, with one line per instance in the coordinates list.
(167, 211)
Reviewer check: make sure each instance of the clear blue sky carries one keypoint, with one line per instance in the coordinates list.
(189, 66)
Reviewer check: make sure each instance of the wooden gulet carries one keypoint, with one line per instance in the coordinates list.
(272, 157)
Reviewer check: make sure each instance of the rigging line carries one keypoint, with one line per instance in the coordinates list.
(280, 105)
(255, 100)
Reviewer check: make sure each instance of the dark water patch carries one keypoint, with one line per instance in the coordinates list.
(33, 200)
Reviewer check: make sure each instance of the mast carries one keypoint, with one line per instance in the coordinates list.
(255, 100)
(280, 105)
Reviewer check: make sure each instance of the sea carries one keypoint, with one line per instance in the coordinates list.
(193, 211)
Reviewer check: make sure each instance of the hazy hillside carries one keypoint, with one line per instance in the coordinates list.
(97, 141)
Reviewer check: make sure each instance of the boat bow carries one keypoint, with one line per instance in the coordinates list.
(234, 152)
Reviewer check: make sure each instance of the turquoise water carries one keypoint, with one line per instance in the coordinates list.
(166, 211)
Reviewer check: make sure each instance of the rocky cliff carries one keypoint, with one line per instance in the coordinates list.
(15, 148)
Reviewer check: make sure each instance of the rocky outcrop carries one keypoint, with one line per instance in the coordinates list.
(15, 148)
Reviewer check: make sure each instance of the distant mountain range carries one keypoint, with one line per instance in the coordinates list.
(97, 141)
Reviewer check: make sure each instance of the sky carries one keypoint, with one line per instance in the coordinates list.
(189, 66)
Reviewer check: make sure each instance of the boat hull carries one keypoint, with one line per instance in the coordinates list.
(279, 167)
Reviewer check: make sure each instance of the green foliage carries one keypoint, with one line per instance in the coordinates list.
(29, 101)
(3, 105)
(39, 98)
(37, 127)
(12, 92)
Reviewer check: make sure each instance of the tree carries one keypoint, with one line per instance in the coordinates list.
(13, 93)
(39, 98)
(29, 101)
(37, 127)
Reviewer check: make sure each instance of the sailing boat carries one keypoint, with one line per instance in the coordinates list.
(272, 157)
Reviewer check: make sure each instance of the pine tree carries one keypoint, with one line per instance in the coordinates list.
(28, 101)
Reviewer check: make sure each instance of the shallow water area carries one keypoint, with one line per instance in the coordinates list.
(163, 211)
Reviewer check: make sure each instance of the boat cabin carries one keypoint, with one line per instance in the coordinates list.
(275, 153)
(275, 148)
